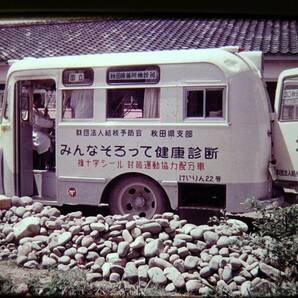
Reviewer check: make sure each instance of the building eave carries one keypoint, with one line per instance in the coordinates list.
(279, 57)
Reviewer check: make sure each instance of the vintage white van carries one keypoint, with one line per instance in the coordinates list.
(149, 131)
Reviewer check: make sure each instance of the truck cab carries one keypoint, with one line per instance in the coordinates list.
(285, 133)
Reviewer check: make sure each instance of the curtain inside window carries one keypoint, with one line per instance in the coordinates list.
(81, 102)
(151, 103)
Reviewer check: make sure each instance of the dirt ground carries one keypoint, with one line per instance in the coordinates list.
(18, 275)
(10, 270)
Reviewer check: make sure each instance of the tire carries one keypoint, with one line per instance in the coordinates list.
(137, 195)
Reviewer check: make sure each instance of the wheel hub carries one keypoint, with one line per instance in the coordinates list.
(138, 202)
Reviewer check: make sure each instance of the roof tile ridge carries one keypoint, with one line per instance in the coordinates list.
(293, 28)
(54, 21)
(275, 37)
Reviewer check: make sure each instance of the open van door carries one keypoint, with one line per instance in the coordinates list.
(23, 103)
(7, 139)
(285, 130)
(16, 136)
(16, 141)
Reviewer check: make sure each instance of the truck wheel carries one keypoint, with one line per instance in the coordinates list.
(137, 196)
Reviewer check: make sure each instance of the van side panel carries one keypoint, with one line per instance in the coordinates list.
(250, 143)
(233, 151)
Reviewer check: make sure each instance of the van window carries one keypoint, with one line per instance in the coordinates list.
(133, 103)
(204, 103)
(43, 91)
(24, 96)
(289, 100)
(47, 98)
(77, 104)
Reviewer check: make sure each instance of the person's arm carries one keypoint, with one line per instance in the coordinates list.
(46, 112)
(43, 122)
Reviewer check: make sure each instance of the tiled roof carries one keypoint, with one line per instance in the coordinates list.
(72, 37)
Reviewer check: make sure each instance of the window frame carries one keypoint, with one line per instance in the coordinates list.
(28, 111)
(205, 88)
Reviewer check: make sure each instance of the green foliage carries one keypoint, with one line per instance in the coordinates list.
(105, 288)
(278, 223)
(222, 291)
(286, 289)
(277, 232)
(125, 289)
(71, 283)
(218, 219)
(5, 286)
(34, 285)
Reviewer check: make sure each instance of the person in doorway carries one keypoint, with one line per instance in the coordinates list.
(41, 139)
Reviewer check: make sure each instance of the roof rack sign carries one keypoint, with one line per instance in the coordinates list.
(146, 74)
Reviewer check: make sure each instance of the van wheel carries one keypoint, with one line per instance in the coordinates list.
(137, 196)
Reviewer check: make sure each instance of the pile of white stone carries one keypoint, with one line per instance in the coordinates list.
(166, 251)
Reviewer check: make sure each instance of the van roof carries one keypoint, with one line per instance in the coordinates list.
(221, 57)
